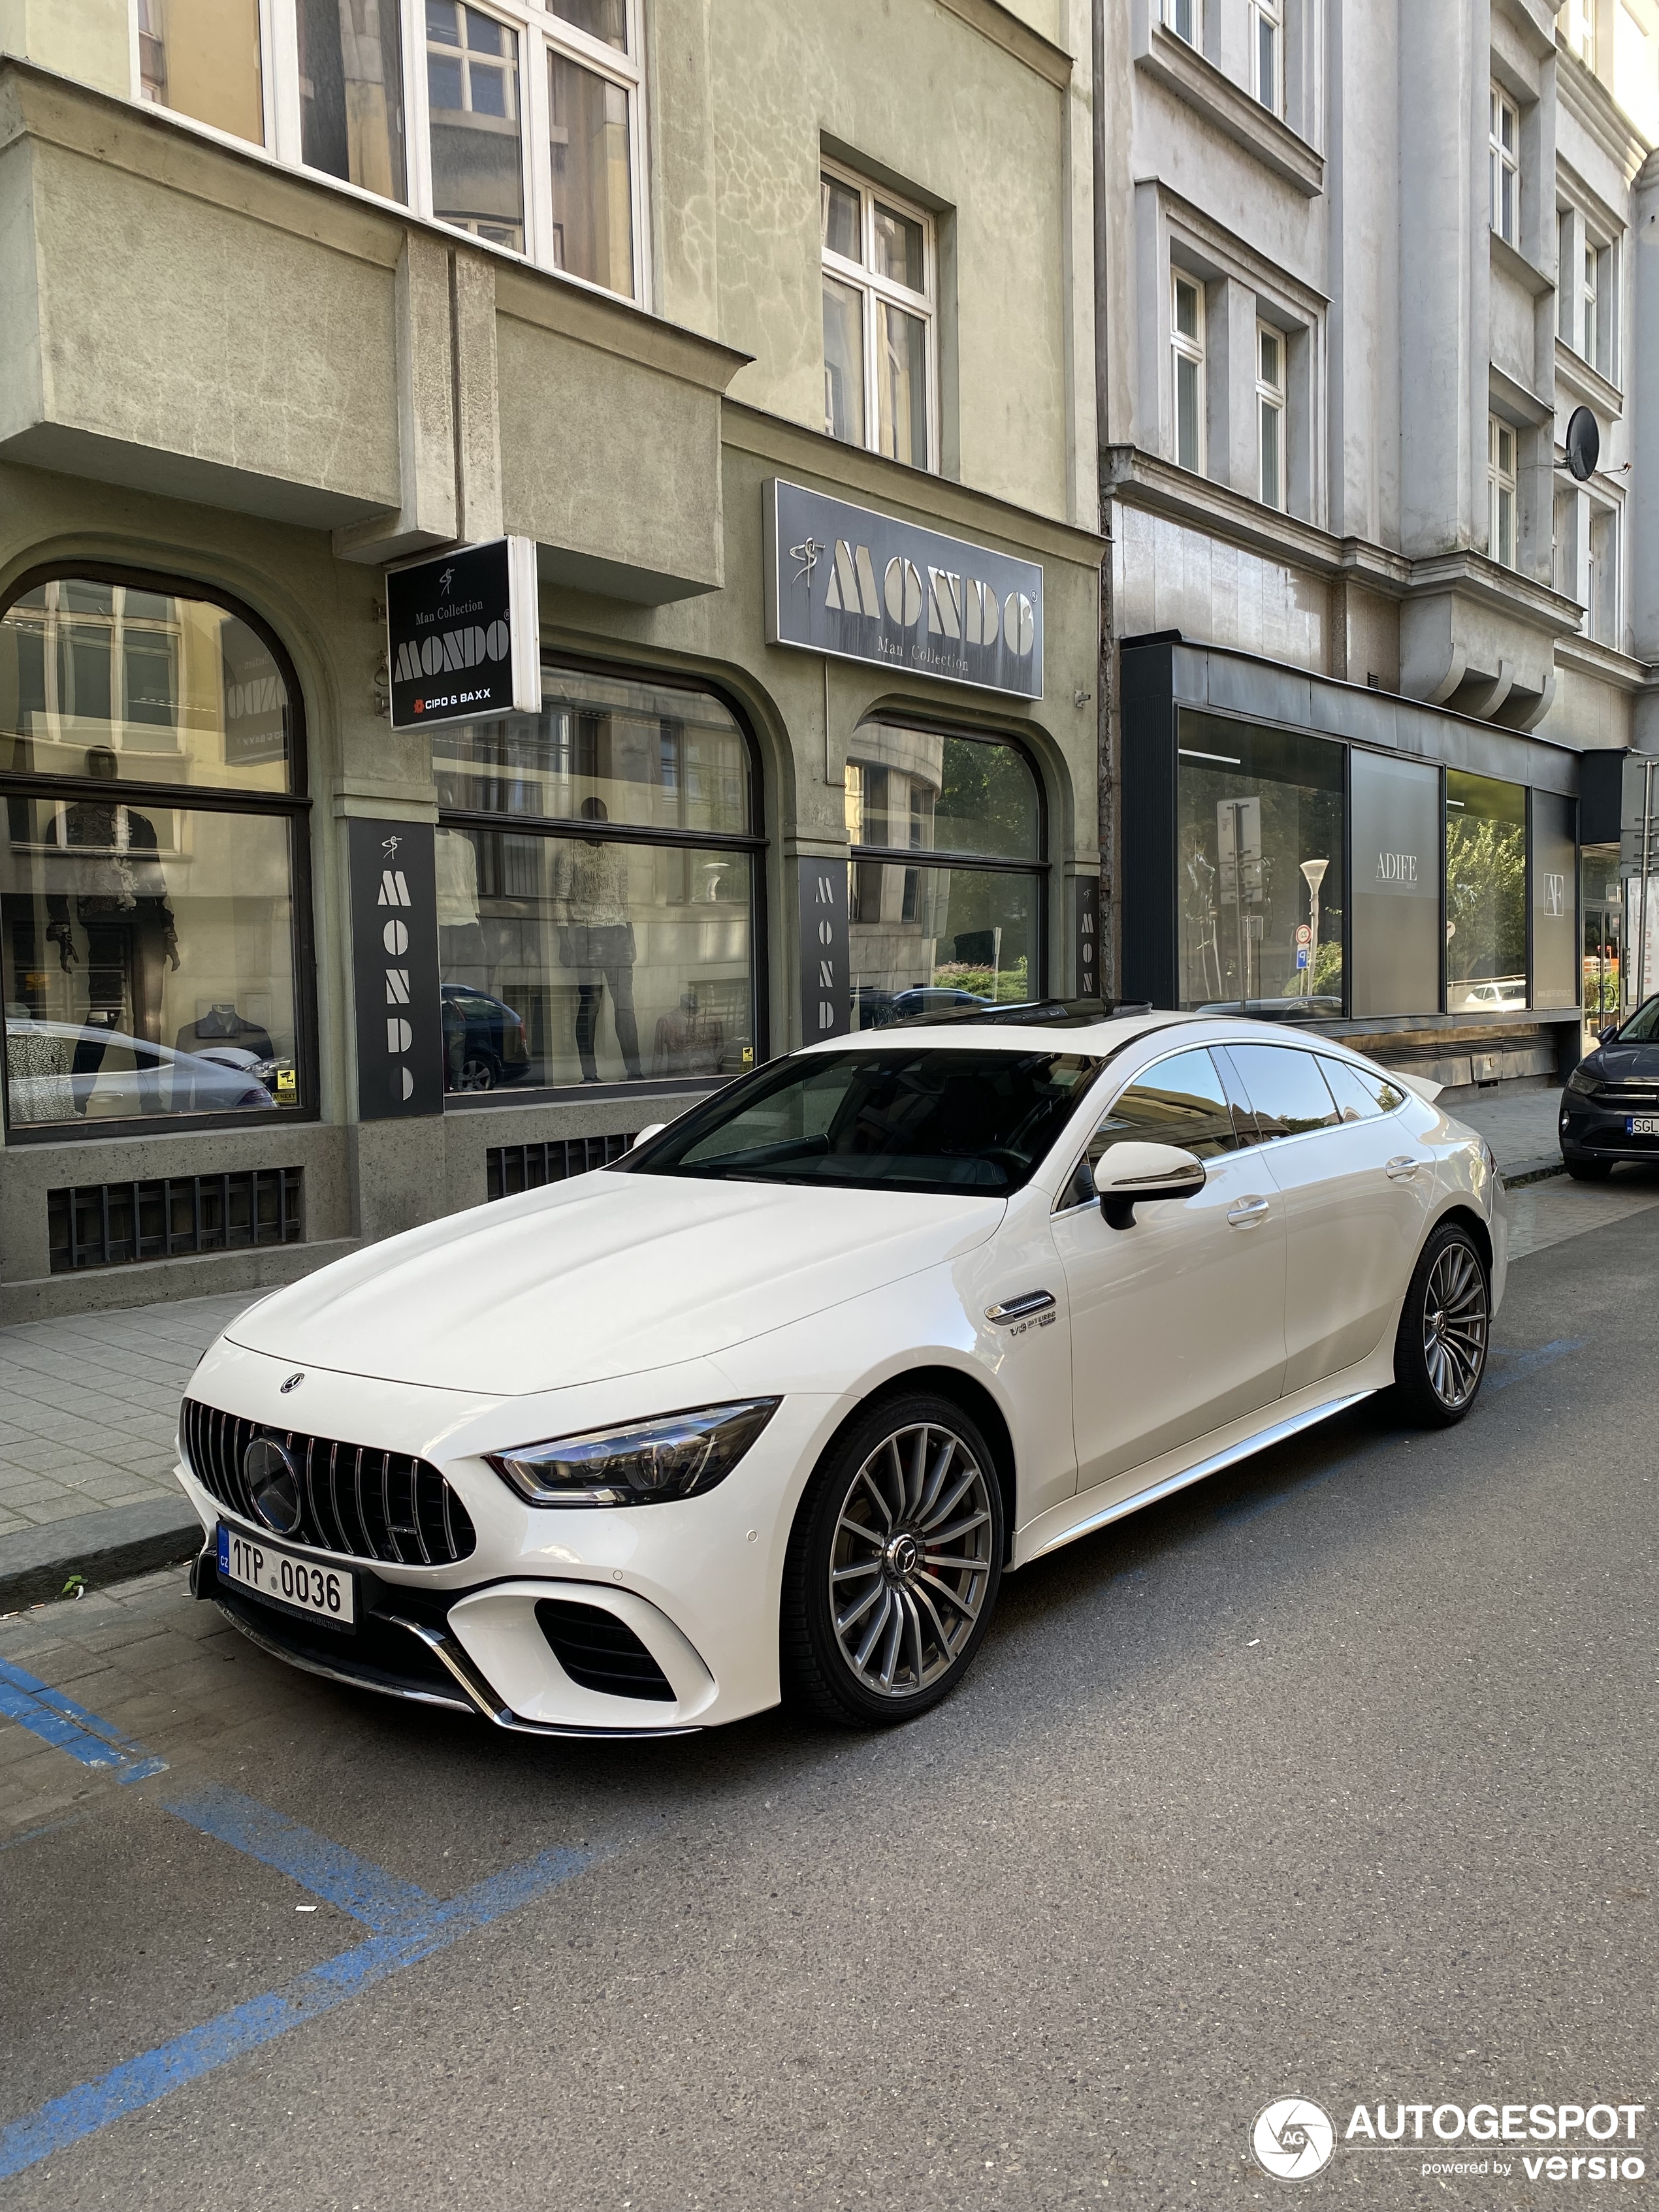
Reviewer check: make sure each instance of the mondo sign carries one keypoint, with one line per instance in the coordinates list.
(461, 635)
(394, 946)
(846, 580)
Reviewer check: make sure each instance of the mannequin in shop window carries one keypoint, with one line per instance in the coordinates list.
(595, 940)
(115, 892)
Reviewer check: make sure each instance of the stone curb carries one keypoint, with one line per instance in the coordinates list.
(104, 1547)
(1524, 1171)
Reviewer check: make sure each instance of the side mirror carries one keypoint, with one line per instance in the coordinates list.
(1608, 1034)
(1131, 1173)
(644, 1135)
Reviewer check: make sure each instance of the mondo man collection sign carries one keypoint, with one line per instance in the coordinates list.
(462, 634)
(845, 581)
(394, 963)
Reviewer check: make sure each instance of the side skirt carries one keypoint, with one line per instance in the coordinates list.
(1094, 1508)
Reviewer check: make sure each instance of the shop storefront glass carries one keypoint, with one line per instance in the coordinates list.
(1485, 893)
(1260, 876)
(1394, 945)
(958, 919)
(1601, 903)
(149, 874)
(597, 870)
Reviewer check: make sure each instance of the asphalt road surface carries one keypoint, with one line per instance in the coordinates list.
(1333, 1778)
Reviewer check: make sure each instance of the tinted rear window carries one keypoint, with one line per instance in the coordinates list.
(1286, 1092)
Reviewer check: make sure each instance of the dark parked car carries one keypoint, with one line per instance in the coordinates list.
(1610, 1107)
(873, 1007)
(484, 1040)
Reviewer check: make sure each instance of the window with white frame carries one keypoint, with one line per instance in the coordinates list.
(519, 122)
(1186, 19)
(1578, 22)
(1186, 363)
(880, 339)
(1269, 27)
(1500, 485)
(1270, 411)
(1602, 614)
(1588, 290)
(1503, 167)
(1563, 544)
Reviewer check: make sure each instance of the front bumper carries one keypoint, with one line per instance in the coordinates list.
(1590, 1131)
(404, 1648)
(695, 1581)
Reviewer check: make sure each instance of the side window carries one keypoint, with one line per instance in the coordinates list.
(1178, 1101)
(1361, 1093)
(1286, 1092)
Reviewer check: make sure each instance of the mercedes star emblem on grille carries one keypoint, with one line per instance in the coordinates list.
(292, 1383)
(273, 1482)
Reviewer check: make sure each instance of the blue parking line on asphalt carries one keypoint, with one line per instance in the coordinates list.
(328, 1870)
(430, 1928)
(1523, 1363)
(59, 1721)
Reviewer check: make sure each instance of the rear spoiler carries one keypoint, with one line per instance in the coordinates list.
(1426, 1090)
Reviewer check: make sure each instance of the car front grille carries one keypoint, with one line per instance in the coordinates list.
(1628, 1098)
(365, 1503)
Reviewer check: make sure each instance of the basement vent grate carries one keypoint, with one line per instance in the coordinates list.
(510, 1168)
(113, 1224)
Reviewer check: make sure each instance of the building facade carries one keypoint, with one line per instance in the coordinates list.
(766, 336)
(1360, 268)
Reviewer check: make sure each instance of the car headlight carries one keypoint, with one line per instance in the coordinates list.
(1583, 1080)
(675, 1455)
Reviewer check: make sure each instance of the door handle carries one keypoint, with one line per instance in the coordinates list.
(1247, 1211)
(1401, 1165)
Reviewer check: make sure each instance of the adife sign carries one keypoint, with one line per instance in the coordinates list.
(843, 579)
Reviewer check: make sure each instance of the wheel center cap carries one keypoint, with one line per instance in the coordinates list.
(904, 1555)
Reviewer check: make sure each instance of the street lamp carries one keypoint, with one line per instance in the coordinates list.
(1315, 873)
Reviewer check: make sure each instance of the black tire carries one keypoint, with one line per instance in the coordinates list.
(917, 1459)
(1583, 1170)
(478, 1072)
(1445, 1330)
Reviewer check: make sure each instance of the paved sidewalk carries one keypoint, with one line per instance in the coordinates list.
(1520, 1128)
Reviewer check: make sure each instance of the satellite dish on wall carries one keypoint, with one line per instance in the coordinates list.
(1583, 444)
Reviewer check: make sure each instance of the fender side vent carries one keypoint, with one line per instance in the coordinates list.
(599, 1652)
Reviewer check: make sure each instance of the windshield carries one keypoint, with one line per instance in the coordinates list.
(1642, 1026)
(964, 1122)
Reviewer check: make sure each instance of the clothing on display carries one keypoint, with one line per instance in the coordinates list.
(109, 868)
(596, 944)
(223, 1024)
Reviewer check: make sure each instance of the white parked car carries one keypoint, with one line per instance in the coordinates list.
(771, 1405)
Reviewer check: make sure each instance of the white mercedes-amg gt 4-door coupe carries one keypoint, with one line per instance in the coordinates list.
(768, 1407)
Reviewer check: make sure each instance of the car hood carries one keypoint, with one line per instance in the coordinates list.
(603, 1276)
(1617, 1060)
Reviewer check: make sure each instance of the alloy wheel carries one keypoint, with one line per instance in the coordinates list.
(1456, 1320)
(911, 1562)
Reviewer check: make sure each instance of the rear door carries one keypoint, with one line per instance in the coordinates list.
(1356, 1193)
(1177, 1323)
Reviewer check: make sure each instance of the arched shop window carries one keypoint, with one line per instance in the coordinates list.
(152, 874)
(958, 917)
(598, 870)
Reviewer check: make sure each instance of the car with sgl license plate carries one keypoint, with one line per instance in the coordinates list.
(770, 1406)
(1610, 1104)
